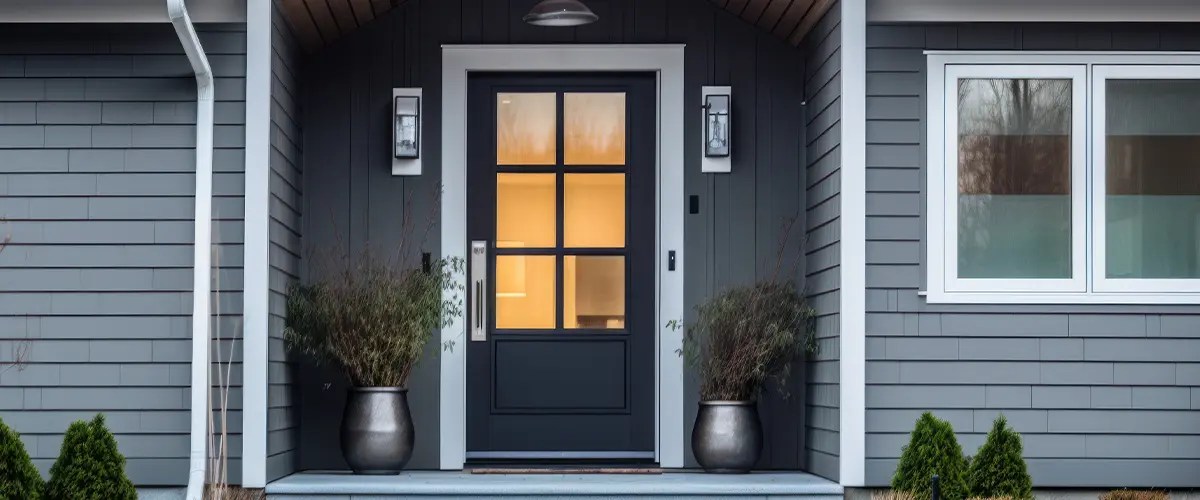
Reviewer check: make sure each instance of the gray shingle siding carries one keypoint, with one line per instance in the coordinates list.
(97, 183)
(823, 112)
(1105, 395)
(285, 206)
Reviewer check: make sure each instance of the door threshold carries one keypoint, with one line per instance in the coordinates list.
(566, 470)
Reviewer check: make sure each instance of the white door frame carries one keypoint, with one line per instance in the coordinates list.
(667, 62)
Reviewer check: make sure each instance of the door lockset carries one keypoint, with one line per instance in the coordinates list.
(479, 256)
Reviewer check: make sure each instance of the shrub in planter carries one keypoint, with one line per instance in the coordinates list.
(19, 479)
(740, 338)
(998, 470)
(932, 450)
(1125, 494)
(371, 315)
(89, 466)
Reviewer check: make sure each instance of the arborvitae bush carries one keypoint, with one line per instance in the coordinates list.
(998, 470)
(932, 450)
(19, 479)
(89, 466)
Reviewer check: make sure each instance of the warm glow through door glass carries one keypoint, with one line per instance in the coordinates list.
(526, 129)
(594, 291)
(525, 291)
(594, 210)
(526, 211)
(594, 128)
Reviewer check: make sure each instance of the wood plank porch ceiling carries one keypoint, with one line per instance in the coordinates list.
(319, 22)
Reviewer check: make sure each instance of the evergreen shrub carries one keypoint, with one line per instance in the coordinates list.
(89, 466)
(998, 470)
(19, 479)
(932, 450)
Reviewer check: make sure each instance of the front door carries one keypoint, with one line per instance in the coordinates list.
(561, 220)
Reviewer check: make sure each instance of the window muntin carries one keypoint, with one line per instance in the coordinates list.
(1035, 197)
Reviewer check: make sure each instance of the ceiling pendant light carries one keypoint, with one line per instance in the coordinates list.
(560, 13)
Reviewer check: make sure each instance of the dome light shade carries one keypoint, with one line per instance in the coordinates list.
(560, 13)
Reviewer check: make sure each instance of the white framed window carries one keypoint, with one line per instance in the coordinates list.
(1063, 178)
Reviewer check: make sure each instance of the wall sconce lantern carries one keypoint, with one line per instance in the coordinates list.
(406, 131)
(408, 127)
(716, 125)
(718, 104)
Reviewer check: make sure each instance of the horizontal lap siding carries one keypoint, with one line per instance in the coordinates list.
(1104, 395)
(283, 417)
(823, 113)
(732, 239)
(97, 181)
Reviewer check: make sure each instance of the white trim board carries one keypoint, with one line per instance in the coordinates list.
(668, 62)
(118, 11)
(257, 246)
(1107, 11)
(853, 294)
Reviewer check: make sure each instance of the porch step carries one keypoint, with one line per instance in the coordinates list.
(464, 485)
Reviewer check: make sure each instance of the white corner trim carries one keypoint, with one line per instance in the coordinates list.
(668, 62)
(1111, 11)
(256, 272)
(853, 307)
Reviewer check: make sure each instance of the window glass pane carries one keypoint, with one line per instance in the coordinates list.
(1014, 178)
(525, 291)
(594, 210)
(526, 211)
(1152, 178)
(594, 128)
(526, 129)
(594, 291)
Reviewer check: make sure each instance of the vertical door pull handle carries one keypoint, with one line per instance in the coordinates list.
(479, 273)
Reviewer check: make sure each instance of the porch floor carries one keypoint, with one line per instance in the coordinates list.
(462, 484)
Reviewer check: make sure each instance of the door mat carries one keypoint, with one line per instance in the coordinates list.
(566, 470)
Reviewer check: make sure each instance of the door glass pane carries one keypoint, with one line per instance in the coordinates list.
(594, 291)
(1014, 178)
(526, 211)
(525, 291)
(594, 210)
(1152, 178)
(526, 128)
(594, 128)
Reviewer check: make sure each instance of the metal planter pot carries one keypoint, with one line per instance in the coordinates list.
(727, 437)
(377, 430)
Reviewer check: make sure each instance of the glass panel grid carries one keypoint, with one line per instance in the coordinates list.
(561, 222)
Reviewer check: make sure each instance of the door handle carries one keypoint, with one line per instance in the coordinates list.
(479, 256)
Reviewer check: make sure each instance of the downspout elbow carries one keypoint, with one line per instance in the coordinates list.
(202, 285)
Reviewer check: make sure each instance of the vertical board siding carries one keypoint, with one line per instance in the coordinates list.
(733, 238)
(1104, 395)
(822, 139)
(286, 200)
(97, 182)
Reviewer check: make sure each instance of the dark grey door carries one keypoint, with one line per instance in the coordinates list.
(561, 219)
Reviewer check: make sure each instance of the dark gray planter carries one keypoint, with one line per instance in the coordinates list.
(727, 437)
(377, 430)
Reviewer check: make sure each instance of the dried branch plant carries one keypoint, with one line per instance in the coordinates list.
(218, 487)
(370, 313)
(22, 346)
(747, 334)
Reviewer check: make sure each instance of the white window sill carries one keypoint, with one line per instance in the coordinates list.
(937, 297)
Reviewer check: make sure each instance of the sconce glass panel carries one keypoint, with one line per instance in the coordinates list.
(716, 125)
(408, 127)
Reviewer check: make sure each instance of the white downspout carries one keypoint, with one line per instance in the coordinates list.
(202, 281)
